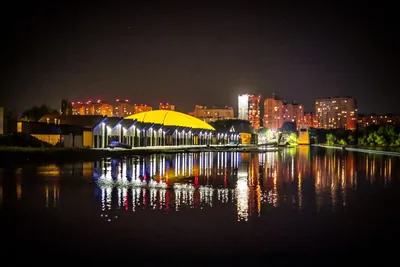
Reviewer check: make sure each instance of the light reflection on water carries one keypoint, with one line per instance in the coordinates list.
(253, 183)
(249, 185)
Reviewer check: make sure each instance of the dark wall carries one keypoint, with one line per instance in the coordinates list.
(50, 128)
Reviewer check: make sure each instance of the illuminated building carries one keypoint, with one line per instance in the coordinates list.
(91, 108)
(78, 108)
(102, 108)
(212, 114)
(278, 111)
(292, 112)
(309, 119)
(165, 127)
(166, 106)
(375, 119)
(303, 135)
(141, 108)
(152, 128)
(81, 108)
(123, 108)
(336, 113)
(254, 111)
(88, 108)
(243, 107)
(273, 113)
(249, 109)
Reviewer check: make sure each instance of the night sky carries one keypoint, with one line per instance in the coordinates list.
(199, 52)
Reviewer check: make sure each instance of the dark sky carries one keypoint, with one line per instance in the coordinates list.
(199, 52)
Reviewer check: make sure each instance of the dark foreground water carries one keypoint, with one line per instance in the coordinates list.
(304, 205)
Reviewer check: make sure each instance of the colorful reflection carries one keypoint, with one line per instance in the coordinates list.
(254, 183)
(247, 185)
(52, 194)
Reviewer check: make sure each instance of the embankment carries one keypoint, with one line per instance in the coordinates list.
(25, 154)
(362, 150)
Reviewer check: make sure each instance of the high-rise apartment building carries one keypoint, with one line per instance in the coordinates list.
(212, 114)
(166, 106)
(297, 113)
(277, 112)
(141, 108)
(273, 113)
(336, 113)
(104, 109)
(81, 108)
(123, 108)
(78, 108)
(365, 120)
(249, 109)
(254, 111)
(243, 107)
(309, 119)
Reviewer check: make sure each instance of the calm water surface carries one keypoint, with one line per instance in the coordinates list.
(272, 207)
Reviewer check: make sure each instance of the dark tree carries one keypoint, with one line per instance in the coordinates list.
(36, 113)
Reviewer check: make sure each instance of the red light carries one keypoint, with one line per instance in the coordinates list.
(126, 100)
(117, 100)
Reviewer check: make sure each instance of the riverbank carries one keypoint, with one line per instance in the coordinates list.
(362, 150)
(27, 154)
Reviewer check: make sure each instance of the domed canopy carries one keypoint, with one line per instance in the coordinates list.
(171, 118)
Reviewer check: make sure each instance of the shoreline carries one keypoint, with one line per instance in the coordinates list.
(361, 150)
(27, 154)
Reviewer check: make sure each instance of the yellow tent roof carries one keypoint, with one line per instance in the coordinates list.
(170, 118)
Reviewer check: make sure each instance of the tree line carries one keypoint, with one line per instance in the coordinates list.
(373, 136)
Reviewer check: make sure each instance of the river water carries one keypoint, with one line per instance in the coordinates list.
(225, 207)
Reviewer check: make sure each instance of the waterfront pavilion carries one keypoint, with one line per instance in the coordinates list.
(152, 128)
(166, 128)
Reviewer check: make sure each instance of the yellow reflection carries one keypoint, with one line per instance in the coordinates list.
(88, 168)
(258, 196)
(275, 190)
(19, 191)
(46, 193)
(299, 191)
(49, 170)
(52, 195)
(336, 172)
